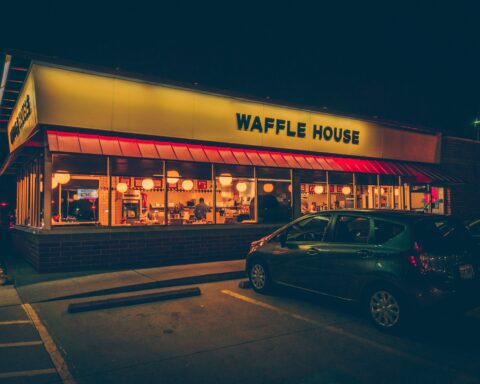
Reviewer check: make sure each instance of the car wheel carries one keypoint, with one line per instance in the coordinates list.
(386, 309)
(259, 276)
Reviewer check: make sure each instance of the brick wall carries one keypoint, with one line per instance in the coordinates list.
(60, 250)
(461, 158)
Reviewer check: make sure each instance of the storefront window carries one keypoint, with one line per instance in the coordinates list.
(274, 195)
(79, 201)
(29, 206)
(367, 191)
(79, 190)
(419, 198)
(157, 192)
(438, 200)
(138, 192)
(389, 192)
(235, 192)
(190, 193)
(341, 190)
(313, 190)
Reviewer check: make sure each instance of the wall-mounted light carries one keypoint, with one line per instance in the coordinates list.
(122, 187)
(147, 184)
(225, 179)
(268, 187)
(173, 177)
(187, 185)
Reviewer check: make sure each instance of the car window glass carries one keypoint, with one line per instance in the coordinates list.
(311, 229)
(352, 229)
(442, 235)
(385, 231)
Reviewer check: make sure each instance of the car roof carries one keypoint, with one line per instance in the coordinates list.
(386, 214)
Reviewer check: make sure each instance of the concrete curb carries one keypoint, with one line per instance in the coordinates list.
(201, 279)
(133, 300)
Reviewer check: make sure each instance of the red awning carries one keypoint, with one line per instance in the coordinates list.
(69, 142)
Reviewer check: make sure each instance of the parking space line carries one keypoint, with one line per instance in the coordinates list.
(50, 346)
(359, 339)
(12, 322)
(33, 372)
(271, 307)
(20, 344)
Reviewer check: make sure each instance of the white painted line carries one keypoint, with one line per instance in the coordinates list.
(33, 372)
(20, 344)
(359, 339)
(50, 346)
(13, 322)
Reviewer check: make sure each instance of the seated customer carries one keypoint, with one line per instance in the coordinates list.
(201, 210)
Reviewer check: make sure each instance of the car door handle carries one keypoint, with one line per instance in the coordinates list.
(364, 254)
(312, 251)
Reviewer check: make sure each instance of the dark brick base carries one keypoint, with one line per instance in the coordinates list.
(95, 248)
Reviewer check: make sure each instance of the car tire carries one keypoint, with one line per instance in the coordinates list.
(259, 276)
(386, 308)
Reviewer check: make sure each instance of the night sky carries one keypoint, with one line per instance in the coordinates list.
(419, 65)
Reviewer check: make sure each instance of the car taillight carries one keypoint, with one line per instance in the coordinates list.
(427, 263)
(413, 261)
(418, 259)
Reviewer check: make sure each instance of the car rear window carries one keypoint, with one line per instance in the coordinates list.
(385, 231)
(442, 234)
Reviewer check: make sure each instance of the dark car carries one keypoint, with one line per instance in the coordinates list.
(393, 263)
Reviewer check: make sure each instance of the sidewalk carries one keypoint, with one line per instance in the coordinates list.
(63, 284)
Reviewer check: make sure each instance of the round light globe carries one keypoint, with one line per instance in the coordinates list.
(241, 187)
(346, 190)
(225, 179)
(62, 177)
(54, 183)
(268, 188)
(147, 184)
(122, 187)
(172, 177)
(187, 185)
(318, 189)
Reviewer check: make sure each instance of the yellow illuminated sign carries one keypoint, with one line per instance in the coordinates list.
(73, 98)
(23, 120)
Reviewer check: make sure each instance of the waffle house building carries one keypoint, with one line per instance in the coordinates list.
(119, 171)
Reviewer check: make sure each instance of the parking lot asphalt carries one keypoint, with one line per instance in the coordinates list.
(23, 356)
(233, 335)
